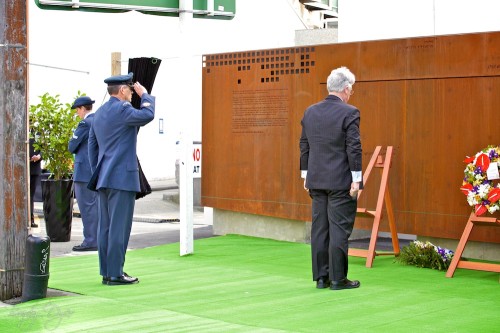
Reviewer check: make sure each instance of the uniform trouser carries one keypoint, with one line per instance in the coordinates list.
(33, 185)
(116, 210)
(87, 203)
(333, 214)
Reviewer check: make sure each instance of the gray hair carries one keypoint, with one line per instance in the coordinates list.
(339, 79)
(113, 90)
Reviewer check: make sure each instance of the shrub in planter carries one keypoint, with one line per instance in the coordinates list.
(52, 124)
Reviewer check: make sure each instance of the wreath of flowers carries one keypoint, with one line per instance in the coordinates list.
(481, 192)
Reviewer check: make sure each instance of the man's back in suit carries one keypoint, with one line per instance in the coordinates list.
(330, 161)
(330, 146)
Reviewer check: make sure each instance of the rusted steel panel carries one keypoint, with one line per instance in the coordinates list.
(416, 58)
(14, 219)
(435, 99)
(255, 92)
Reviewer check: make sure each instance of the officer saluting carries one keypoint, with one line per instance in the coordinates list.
(113, 159)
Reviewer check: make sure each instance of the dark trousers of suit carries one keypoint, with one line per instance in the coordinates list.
(333, 214)
(116, 210)
(34, 179)
(87, 203)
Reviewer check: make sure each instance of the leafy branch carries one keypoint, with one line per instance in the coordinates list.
(52, 124)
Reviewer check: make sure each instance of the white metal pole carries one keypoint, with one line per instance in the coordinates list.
(210, 7)
(186, 158)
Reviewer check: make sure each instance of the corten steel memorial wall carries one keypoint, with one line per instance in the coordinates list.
(434, 99)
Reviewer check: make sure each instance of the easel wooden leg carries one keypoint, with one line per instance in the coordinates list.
(373, 242)
(456, 262)
(392, 222)
(460, 247)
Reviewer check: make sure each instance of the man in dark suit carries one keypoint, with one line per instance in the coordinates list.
(330, 162)
(113, 157)
(87, 199)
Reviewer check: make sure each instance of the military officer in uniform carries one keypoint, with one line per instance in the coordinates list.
(87, 199)
(113, 159)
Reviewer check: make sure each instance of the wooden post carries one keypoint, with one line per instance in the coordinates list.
(116, 63)
(14, 214)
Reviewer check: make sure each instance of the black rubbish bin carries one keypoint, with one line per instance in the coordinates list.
(36, 268)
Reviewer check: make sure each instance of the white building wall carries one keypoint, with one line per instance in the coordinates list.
(361, 20)
(81, 43)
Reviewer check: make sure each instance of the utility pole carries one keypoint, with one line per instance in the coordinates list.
(14, 215)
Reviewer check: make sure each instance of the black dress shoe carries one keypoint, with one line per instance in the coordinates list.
(34, 225)
(322, 283)
(114, 281)
(82, 248)
(105, 279)
(126, 275)
(344, 284)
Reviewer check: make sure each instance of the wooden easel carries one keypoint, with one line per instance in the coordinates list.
(378, 161)
(456, 262)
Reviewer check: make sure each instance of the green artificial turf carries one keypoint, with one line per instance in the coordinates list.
(244, 284)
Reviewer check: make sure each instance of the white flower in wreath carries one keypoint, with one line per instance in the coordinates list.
(471, 199)
(483, 190)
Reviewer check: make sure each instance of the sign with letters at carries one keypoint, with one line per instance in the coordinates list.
(196, 160)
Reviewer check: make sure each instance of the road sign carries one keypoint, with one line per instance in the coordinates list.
(211, 9)
(196, 160)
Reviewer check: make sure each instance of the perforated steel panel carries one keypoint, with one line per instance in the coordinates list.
(435, 99)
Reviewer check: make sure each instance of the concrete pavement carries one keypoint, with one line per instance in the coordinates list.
(156, 221)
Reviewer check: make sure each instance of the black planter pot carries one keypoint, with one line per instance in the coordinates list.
(57, 196)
